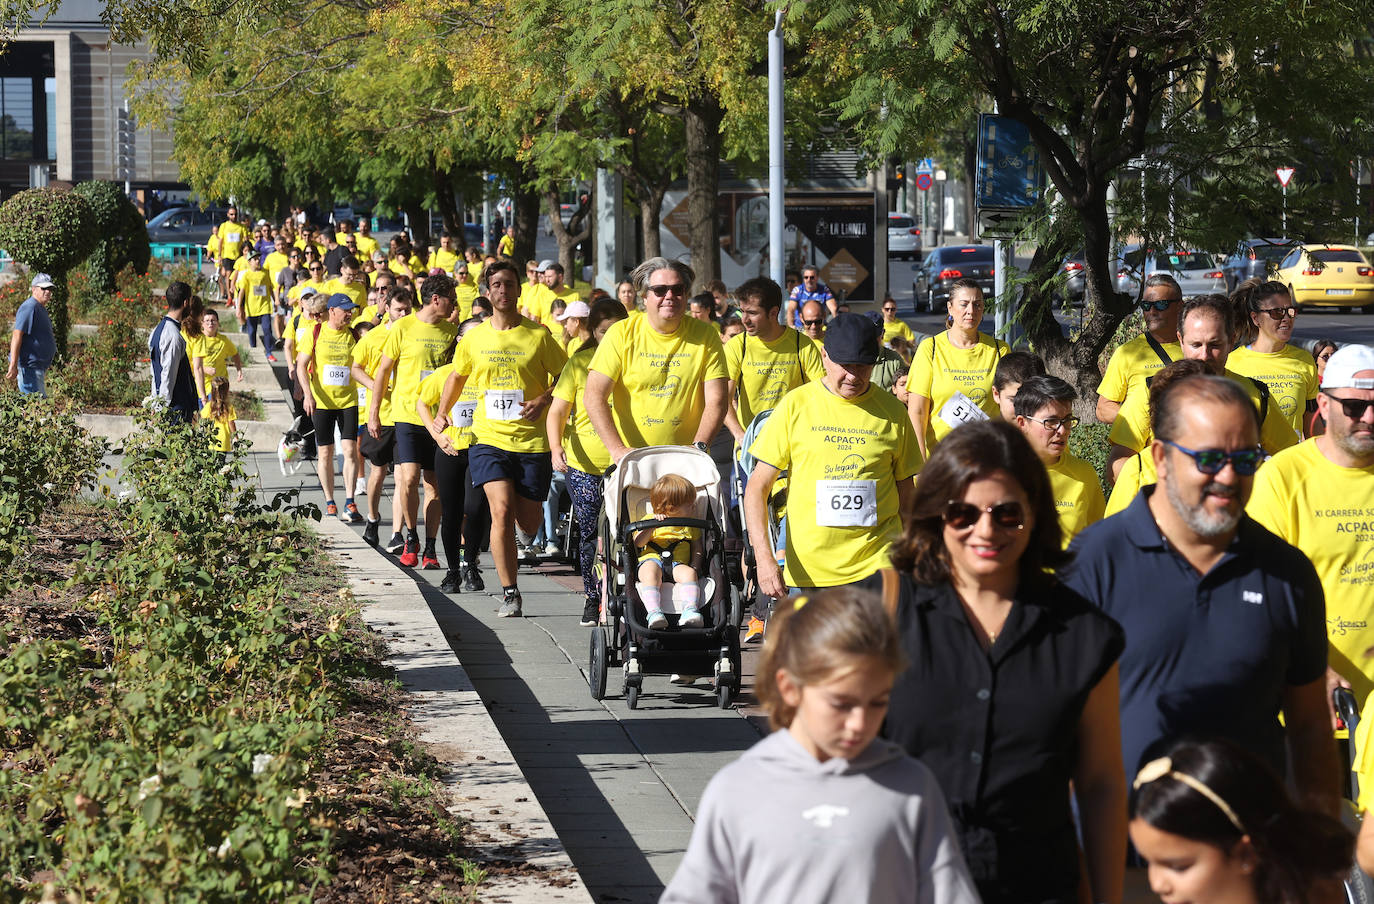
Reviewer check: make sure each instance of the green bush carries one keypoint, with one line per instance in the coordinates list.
(121, 235)
(99, 372)
(50, 230)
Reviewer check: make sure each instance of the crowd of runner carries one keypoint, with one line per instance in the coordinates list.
(1052, 645)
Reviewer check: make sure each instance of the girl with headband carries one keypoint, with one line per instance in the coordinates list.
(1217, 827)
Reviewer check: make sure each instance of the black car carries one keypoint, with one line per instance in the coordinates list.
(942, 266)
(187, 225)
(1254, 258)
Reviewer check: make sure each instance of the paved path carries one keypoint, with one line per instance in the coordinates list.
(620, 786)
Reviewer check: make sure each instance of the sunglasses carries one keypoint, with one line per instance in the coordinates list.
(677, 289)
(961, 515)
(1162, 305)
(1325, 356)
(1053, 424)
(1279, 313)
(813, 322)
(1351, 408)
(1211, 461)
(316, 269)
(890, 310)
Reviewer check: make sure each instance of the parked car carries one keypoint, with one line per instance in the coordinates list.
(185, 225)
(1254, 259)
(1196, 271)
(1328, 275)
(903, 237)
(943, 265)
(1074, 280)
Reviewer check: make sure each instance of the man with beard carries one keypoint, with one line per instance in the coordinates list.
(1225, 623)
(1319, 496)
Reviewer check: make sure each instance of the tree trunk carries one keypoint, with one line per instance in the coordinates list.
(57, 312)
(650, 201)
(448, 208)
(702, 117)
(526, 217)
(419, 227)
(568, 241)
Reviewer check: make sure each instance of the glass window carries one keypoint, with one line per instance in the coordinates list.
(16, 118)
(1338, 256)
(50, 93)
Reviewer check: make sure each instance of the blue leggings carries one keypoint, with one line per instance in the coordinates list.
(585, 490)
(263, 323)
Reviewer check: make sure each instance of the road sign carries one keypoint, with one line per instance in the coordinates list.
(1009, 172)
(998, 222)
(926, 166)
(923, 181)
(1284, 173)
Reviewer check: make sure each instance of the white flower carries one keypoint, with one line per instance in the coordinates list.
(226, 470)
(261, 762)
(224, 848)
(48, 486)
(228, 519)
(150, 785)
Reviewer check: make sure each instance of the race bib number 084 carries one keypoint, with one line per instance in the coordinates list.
(335, 375)
(847, 503)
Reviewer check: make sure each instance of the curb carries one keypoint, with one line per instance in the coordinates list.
(506, 819)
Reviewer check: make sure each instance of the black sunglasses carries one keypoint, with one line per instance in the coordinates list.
(1211, 461)
(814, 322)
(961, 515)
(1351, 408)
(679, 290)
(1162, 305)
(1279, 313)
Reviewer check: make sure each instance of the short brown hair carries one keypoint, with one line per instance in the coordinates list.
(671, 491)
(814, 638)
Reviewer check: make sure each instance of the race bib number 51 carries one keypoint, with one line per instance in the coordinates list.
(847, 503)
(504, 404)
(960, 409)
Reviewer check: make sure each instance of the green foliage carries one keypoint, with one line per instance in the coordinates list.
(122, 235)
(99, 373)
(44, 458)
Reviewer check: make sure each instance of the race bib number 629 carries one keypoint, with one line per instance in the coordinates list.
(847, 503)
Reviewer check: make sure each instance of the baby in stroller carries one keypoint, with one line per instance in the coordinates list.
(671, 550)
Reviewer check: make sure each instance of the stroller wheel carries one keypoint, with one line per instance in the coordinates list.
(725, 694)
(596, 668)
(632, 696)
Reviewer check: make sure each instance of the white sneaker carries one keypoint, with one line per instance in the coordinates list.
(657, 619)
(361, 488)
(691, 618)
(683, 680)
(552, 549)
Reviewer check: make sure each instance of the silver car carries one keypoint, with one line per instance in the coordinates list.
(1197, 272)
(903, 237)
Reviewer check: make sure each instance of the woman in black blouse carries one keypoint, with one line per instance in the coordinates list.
(1012, 689)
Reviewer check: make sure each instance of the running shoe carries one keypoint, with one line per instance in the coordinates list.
(360, 488)
(396, 543)
(755, 632)
(370, 536)
(331, 509)
(410, 556)
(451, 583)
(657, 619)
(429, 560)
(683, 680)
(351, 513)
(472, 578)
(591, 613)
(511, 605)
(271, 358)
(691, 618)
(551, 548)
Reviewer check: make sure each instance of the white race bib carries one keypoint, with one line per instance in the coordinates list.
(847, 503)
(504, 404)
(233, 237)
(362, 395)
(335, 375)
(461, 414)
(960, 409)
(425, 373)
(259, 290)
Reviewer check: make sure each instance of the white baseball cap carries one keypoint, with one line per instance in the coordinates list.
(574, 309)
(1348, 361)
(41, 281)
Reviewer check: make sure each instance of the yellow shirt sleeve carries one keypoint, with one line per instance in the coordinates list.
(1132, 425)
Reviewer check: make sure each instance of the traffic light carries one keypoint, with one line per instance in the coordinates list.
(124, 145)
(897, 168)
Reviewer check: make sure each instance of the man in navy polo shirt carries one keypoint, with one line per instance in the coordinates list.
(1225, 623)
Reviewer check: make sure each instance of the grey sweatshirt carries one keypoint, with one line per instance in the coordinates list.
(778, 827)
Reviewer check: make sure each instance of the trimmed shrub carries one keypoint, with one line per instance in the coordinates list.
(121, 235)
(51, 230)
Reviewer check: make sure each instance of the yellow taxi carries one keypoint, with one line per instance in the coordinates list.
(1328, 275)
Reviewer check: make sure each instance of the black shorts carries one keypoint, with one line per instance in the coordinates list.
(227, 263)
(380, 451)
(414, 445)
(530, 472)
(327, 419)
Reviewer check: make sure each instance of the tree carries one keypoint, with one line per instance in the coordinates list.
(1209, 93)
(122, 234)
(51, 230)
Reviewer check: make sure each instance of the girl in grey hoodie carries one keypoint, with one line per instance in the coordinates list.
(821, 810)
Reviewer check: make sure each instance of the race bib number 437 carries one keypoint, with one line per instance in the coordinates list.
(504, 404)
(847, 503)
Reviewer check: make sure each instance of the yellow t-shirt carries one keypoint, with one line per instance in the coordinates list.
(222, 440)
(1328, 512)
(465, 293)
(667, 540)
(367, 354)
(256, 288)
(1137, 472)
(939, 370)
(214, 352)
(444, 260)
(509, 367)
(1131, 428)
(1130, 365)
(475, 270)
(581, 445)
(844, 459)
(897, 329)
(331, 371)
(416, 349)
(367, 245)
(1363, 766)
(356, 291)
(231, 239)
(541, 305)
(212, 246)
(460, 415)
(659, 397)
(1077, 494)
(505, 247)
(764, 372)
(274, 263)
(1290, 374)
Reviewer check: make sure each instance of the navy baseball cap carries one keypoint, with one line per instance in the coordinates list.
(340, 300)
(852, 339)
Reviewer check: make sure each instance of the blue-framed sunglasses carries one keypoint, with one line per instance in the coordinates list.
(1211, 461)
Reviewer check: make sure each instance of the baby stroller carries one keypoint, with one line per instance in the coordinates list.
(777, 505)
(623, 636)
(1359, 887)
